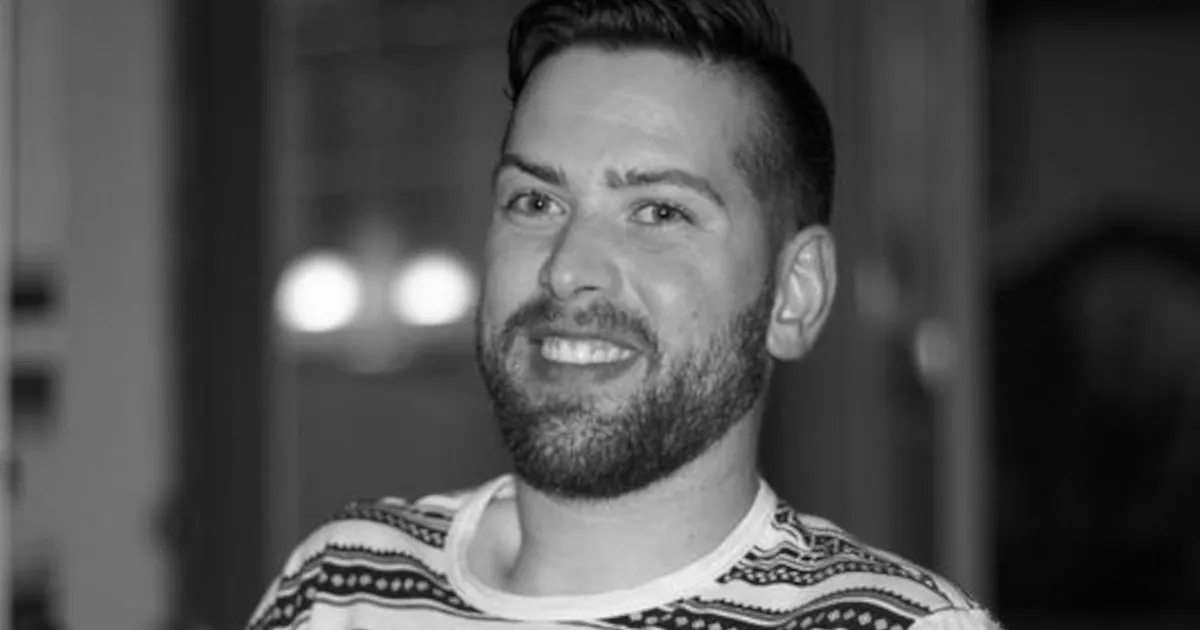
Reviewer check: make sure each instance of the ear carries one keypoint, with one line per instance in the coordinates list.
(807, 273)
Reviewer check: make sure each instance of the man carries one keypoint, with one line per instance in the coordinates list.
(658, 239)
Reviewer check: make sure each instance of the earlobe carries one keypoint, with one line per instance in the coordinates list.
(804, 294)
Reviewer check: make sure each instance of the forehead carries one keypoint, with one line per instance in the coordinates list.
(590, 108)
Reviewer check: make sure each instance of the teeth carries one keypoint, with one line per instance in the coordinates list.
(581, 352)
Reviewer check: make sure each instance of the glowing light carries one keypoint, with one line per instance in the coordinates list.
(433, 290)
(319, 293)
(936, 351)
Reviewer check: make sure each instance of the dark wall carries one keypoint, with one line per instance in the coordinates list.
(1096, 291)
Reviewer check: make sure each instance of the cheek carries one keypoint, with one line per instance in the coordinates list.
(689, 302)
(677, 300)
(511, 280)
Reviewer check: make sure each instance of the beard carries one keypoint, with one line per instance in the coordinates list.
(571, 447)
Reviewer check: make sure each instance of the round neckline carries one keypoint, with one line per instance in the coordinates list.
(688, 580)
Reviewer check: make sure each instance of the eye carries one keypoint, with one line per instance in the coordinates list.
(532, 204)
(659, 213)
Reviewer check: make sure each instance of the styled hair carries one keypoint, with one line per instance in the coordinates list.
(789, 159)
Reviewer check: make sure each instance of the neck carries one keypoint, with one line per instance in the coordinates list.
(574, 547)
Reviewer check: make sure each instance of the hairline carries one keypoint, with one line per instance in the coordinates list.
(780, 201)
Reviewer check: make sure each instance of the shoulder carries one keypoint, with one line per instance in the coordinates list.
(384, 525)
(360, 545)
(841, 574)
(957, 619)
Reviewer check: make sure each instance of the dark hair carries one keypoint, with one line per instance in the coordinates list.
(789, 161)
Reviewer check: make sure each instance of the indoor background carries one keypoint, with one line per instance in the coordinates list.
(242, 241)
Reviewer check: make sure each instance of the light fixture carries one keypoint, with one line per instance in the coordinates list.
(319, 293)
(433, 289)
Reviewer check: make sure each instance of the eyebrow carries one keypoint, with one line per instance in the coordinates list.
(632, 178)
(548, 174)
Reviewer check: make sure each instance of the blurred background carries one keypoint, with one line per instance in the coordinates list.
(242, 241)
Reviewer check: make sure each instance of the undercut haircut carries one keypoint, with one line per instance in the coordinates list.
(788, 160)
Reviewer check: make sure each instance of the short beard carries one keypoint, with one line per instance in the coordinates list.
(565, 446)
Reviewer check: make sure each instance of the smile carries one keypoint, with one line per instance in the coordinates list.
(583, 351)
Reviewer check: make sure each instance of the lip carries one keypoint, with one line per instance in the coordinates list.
(560, 374)
(539, 334)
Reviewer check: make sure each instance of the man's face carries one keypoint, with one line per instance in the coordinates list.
(628, 287)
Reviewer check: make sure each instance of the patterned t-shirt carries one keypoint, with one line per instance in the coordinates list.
(393, 564)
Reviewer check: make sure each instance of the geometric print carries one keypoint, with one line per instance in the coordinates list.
(806, 556)
(345, 575)
(849, 614)
(798, 573)
(427, 525)
(398, 579)
(787, 564)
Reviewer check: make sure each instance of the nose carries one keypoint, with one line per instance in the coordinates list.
(581, 262)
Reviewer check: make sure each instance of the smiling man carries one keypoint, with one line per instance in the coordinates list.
(658, 240)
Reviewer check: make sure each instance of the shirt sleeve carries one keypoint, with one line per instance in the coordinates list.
(267, 615)
(957, 619)
(285, 604)
(262, 619)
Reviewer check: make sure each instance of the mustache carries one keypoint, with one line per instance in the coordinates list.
(599, 316)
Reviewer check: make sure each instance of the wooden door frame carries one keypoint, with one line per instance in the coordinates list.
(7, 251)
(222, 302)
